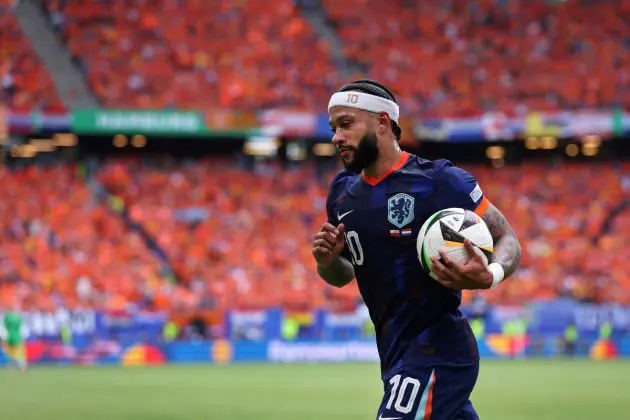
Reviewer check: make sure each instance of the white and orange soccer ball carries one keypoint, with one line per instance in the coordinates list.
(446, 230)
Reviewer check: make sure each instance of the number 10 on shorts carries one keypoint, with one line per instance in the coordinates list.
(403, 394)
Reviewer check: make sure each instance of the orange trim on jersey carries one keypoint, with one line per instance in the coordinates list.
(482, 207)
(429, 408)
(373, 181)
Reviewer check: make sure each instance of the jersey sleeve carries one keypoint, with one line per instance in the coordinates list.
(459, 188)
(334, 193)
(330, 216)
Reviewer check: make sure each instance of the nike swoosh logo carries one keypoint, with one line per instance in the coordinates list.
(341, 216)
(388, 418)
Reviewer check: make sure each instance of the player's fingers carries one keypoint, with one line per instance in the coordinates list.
(450, 273)
(324, 243)
(449, 263)
(327, 227)
(328, 237)
(322, 255)
(471, 249)
(340, 230)
(442, 271)
(322, 235)
(444, 281)
(321, 249)
(477, 258)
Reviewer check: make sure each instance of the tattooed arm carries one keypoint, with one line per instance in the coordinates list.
(476, 274)
(457, 188)
(507, 248)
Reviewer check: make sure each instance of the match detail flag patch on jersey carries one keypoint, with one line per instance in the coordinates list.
(397, 233)
(400, 210)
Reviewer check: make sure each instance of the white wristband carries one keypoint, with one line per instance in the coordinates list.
(498, 274)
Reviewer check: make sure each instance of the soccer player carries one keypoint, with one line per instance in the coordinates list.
(375, 208)
(14, 346)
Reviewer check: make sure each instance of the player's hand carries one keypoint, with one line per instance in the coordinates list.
(472, 275)
(328, 244)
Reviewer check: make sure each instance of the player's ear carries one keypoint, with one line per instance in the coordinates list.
(383, 123)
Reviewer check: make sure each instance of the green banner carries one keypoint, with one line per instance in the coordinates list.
(183, 123)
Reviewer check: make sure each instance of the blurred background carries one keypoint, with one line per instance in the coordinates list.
(165, 163)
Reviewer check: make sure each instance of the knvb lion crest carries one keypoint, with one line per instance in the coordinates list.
(400, 209)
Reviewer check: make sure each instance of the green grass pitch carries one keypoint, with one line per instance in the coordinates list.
(514, 390)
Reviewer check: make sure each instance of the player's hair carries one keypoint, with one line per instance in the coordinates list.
(374, 88)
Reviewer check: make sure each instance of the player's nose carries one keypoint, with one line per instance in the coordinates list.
(338, 139)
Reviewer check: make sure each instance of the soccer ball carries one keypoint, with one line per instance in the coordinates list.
(446, 230)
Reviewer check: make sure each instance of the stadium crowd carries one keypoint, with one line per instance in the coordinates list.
(230, 243)
(24, 83)
(455, 57)
(464, 57)
(173, 53)
(170, 237)
(60, 247)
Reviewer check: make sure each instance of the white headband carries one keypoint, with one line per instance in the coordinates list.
(366, 102)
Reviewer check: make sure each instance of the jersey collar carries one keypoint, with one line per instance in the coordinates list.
(404, 156)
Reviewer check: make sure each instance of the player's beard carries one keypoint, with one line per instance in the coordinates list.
(364, 155)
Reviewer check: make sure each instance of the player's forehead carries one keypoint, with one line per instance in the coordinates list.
(338, 113)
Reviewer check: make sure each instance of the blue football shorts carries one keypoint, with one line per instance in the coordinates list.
(435, 393)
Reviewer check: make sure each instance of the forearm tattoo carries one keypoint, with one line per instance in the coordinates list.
(507, 248)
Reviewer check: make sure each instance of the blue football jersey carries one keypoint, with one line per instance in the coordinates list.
(417, 320)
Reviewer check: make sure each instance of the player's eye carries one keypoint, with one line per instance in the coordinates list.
(333, 130)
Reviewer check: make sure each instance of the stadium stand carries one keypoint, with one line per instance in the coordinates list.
(171, 53)
(561, 216)
(60, 247)
(237, 246)
(464, 57)
(174, 215)
(443, 58)
(24, 83)
(564, 215)
(221, 227)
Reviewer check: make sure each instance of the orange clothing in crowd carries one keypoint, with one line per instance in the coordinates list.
(465, 57)
(459, 57)
(454, 58)
(24, 83)
(198, 54)
(241, 239)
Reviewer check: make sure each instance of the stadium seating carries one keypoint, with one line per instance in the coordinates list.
(200, 54)
(566, 217)
(464, 57)
(442, 58)
(24, 83)
(61, 248)
(232, 244)
(455, 58)
(251, 247)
